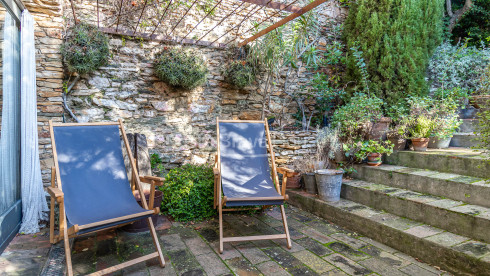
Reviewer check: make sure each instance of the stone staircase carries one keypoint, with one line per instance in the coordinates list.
(464, 137)
(432, 205)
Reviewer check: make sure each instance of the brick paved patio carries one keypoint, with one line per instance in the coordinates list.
(319, 248)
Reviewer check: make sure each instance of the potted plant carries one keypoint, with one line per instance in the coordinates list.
(373, 150)
(444, 128)
(420, 132)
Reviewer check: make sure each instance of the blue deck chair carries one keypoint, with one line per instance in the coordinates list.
(93, 190)
(243, 175)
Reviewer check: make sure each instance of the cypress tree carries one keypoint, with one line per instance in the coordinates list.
(397, 38)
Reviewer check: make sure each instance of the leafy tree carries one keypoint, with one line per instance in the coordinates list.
(396, 37)
(474, 23)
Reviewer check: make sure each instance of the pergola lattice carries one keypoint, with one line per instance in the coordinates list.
(259, 5)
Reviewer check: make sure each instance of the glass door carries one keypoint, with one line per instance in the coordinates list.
(10, 202)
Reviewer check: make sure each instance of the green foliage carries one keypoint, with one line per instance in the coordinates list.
(422, 127)
(445, 127)
(483, 128)
(361, 149)
(188, 193)
(396, 40)
(85, 48)
(181, 68)
(475, 24)
(355, 117)
(458, 66)
(155, 160)
(239, 73)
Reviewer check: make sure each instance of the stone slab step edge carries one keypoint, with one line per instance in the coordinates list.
(454, 216)
(459, 162)
(468, 126)
(463, 140)
(433, 249)
(468, 189)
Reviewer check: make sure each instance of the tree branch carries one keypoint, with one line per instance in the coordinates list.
(468, 4)
(449, 8)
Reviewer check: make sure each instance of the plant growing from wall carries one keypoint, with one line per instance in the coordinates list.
(188, 193)
(396, 40)
(239, 74)
(181, 68)
(84, 50)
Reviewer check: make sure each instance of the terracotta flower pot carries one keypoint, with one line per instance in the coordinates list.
(374, 159)
(420, 144)
(142, 224)
(293, 181)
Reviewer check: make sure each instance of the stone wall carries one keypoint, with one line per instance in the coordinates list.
(179, 125)
(291, 145)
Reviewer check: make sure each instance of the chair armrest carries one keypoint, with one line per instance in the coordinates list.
(216, 171)
(158, 181)
(283, 170)
(56, 193)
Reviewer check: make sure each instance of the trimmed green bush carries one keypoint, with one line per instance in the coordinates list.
(188, 193)
(85, 48)
(181, 68)
(397, 38)
(239, 73)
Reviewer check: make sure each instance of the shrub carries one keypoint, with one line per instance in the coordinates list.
(457, 66)
(85, 48)
(396, 40)
(188, 193)
(356, 117)
(239, 73)
(483, 128)
(181, 68)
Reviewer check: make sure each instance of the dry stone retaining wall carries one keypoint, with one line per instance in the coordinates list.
(179, 125)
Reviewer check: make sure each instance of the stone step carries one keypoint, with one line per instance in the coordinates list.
(454, 253)
(463, 140)
(468, 126)
(452, 160)
(472, 190)
(455, 216)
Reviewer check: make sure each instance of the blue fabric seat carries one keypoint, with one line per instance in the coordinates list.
(245, 168)
(93, 176)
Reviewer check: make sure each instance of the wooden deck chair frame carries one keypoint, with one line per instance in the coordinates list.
(57, 197)
(220, 201)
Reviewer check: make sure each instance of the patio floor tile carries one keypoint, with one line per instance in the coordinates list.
(318, 248)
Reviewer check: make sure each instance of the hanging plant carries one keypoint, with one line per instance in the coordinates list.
(85, 48)
(181, 68)
(239, 73)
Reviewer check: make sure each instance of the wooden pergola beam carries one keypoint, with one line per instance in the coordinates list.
(283, 21)
(274, 5)
(160, 38)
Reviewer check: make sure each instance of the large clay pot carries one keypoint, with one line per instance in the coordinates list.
(420, 144)
(142, 224)
(293, 181)
(374, 159)
(439, 143)
(398, 143)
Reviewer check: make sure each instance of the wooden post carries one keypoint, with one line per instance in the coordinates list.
(285, 20)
